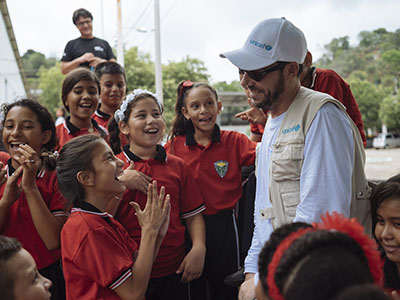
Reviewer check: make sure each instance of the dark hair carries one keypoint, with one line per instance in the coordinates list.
(73, 78)
(81, 12)
(8, 248)
(361, 292)
(47, 123)
(386, 190)
(113, 128)
(382, 192)
(267, 252)
(75, 156)
(180, 125)
(109, 67)
(320, 263)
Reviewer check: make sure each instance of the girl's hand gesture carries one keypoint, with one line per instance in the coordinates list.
(156, 211)
(30, 162)
(12, 191)
(135, 180)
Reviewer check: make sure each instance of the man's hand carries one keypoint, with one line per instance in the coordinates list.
(247, 290)
(86, 57)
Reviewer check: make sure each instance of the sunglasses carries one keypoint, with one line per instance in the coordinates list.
(258, 75)
(186, 84)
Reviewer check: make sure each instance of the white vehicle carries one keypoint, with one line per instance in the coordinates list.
(386, 140)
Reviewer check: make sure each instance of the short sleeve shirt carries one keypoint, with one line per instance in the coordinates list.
(97, 253)
(77, 47)
(19, 223)
(186, 201)
(66, 131)
(217, 167)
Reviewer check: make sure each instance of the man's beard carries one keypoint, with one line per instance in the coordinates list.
(271, 99)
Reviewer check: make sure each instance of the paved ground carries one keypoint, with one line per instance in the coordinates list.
(382, 164)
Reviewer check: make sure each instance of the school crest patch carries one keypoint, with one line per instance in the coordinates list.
(221, 167)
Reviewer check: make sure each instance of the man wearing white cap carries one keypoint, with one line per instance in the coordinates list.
(311, 159)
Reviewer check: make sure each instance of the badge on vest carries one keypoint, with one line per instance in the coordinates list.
(221, 167)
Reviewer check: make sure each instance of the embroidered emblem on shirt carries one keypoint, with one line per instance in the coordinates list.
(221, 167)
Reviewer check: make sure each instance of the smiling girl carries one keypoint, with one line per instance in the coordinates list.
(80, 96)
(31, 207)
(140, 119)
(217, 157)
(385, 210)
(100, 260)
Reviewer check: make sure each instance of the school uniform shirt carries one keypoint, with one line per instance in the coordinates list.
(101, 117)
(217, 167)
(66, 131)
(329, 82)
(19, 223)
(97, 253)
(186, 201)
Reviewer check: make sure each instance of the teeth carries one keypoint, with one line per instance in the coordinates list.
(151, 131)
(85, 105)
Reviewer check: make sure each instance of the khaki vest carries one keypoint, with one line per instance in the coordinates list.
(287, 161)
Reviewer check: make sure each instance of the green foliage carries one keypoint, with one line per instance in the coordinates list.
(223, 86)
(373, 68)
(50, 82)
(389, 112)
(368, 99)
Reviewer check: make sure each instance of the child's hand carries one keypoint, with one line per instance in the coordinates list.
(395, 295)
(12, 191)
(135, 180)
(154, 214)
(3, 172)
(30, 162)
(193, 264)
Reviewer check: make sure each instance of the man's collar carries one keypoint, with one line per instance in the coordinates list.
(160, 156)
(190, 140)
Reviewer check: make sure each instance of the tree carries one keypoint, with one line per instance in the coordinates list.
(368, 99)
(139, 70)
(389, 112)
(50, 83)
(187, 69)
(223, 86)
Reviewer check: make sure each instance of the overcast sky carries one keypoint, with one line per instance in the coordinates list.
(197, 28)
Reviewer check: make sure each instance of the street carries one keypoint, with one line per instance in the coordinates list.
(382, 164)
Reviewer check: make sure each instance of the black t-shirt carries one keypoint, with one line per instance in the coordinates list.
(78, 47)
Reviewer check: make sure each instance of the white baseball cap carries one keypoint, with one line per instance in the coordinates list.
(270, 41)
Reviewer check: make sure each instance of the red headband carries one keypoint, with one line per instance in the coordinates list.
(334, 221)
(184, 85)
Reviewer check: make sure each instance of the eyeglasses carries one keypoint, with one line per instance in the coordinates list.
(258, 75)
(186, 84)
(81, 24)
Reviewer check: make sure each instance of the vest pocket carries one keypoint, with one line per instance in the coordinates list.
(291, 200)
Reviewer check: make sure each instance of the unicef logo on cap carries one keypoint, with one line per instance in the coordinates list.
(259, 45)
(291, 129)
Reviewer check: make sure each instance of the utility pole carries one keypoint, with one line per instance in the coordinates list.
(158, 68)
(120, 45)
(102, 19)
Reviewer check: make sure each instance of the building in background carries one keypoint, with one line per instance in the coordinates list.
(12, 78)
(233, 103)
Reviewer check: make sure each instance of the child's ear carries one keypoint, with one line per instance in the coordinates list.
(123, 127)
(86, 178)
(185, 113)
(219, 106)
(46, 137)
